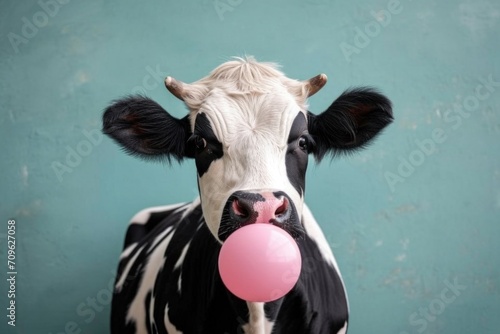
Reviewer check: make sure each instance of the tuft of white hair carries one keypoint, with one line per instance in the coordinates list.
(245, 76)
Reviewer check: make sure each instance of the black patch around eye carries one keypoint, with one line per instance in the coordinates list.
(204, 136)
(297, 158)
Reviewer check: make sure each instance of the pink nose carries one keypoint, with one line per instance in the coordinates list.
(267, 207)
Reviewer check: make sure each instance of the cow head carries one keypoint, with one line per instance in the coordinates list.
(250, 134)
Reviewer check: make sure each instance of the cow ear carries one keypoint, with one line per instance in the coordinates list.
(143, 128)
(350, 122)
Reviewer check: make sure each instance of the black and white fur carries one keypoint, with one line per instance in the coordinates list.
(250, 134)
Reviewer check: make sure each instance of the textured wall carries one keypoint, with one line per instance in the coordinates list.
(414, 220)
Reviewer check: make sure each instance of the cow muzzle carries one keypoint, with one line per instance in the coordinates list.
(265, 207)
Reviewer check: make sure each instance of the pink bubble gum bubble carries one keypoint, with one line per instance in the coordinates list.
(260, 263)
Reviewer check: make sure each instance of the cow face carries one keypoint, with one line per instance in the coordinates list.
(251, 154)
(250, 134)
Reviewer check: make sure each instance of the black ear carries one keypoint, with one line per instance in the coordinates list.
(143, 128)
(351, 122)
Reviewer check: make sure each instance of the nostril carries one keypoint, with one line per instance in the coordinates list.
(240, 209)
(282, 209)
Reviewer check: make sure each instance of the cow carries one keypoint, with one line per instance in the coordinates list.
(250, 134)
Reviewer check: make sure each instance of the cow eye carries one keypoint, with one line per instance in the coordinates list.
(198, 142)
(304, 143)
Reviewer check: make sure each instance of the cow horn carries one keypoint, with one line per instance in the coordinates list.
(175, 87)
(314, 84)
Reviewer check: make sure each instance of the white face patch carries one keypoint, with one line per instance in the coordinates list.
(253, 130)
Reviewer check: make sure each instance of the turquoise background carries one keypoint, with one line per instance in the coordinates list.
(399, 247)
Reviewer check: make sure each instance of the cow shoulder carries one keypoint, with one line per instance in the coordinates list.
(143, 222)
(148, 236)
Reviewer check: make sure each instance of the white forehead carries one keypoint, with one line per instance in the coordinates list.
(251, 117)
